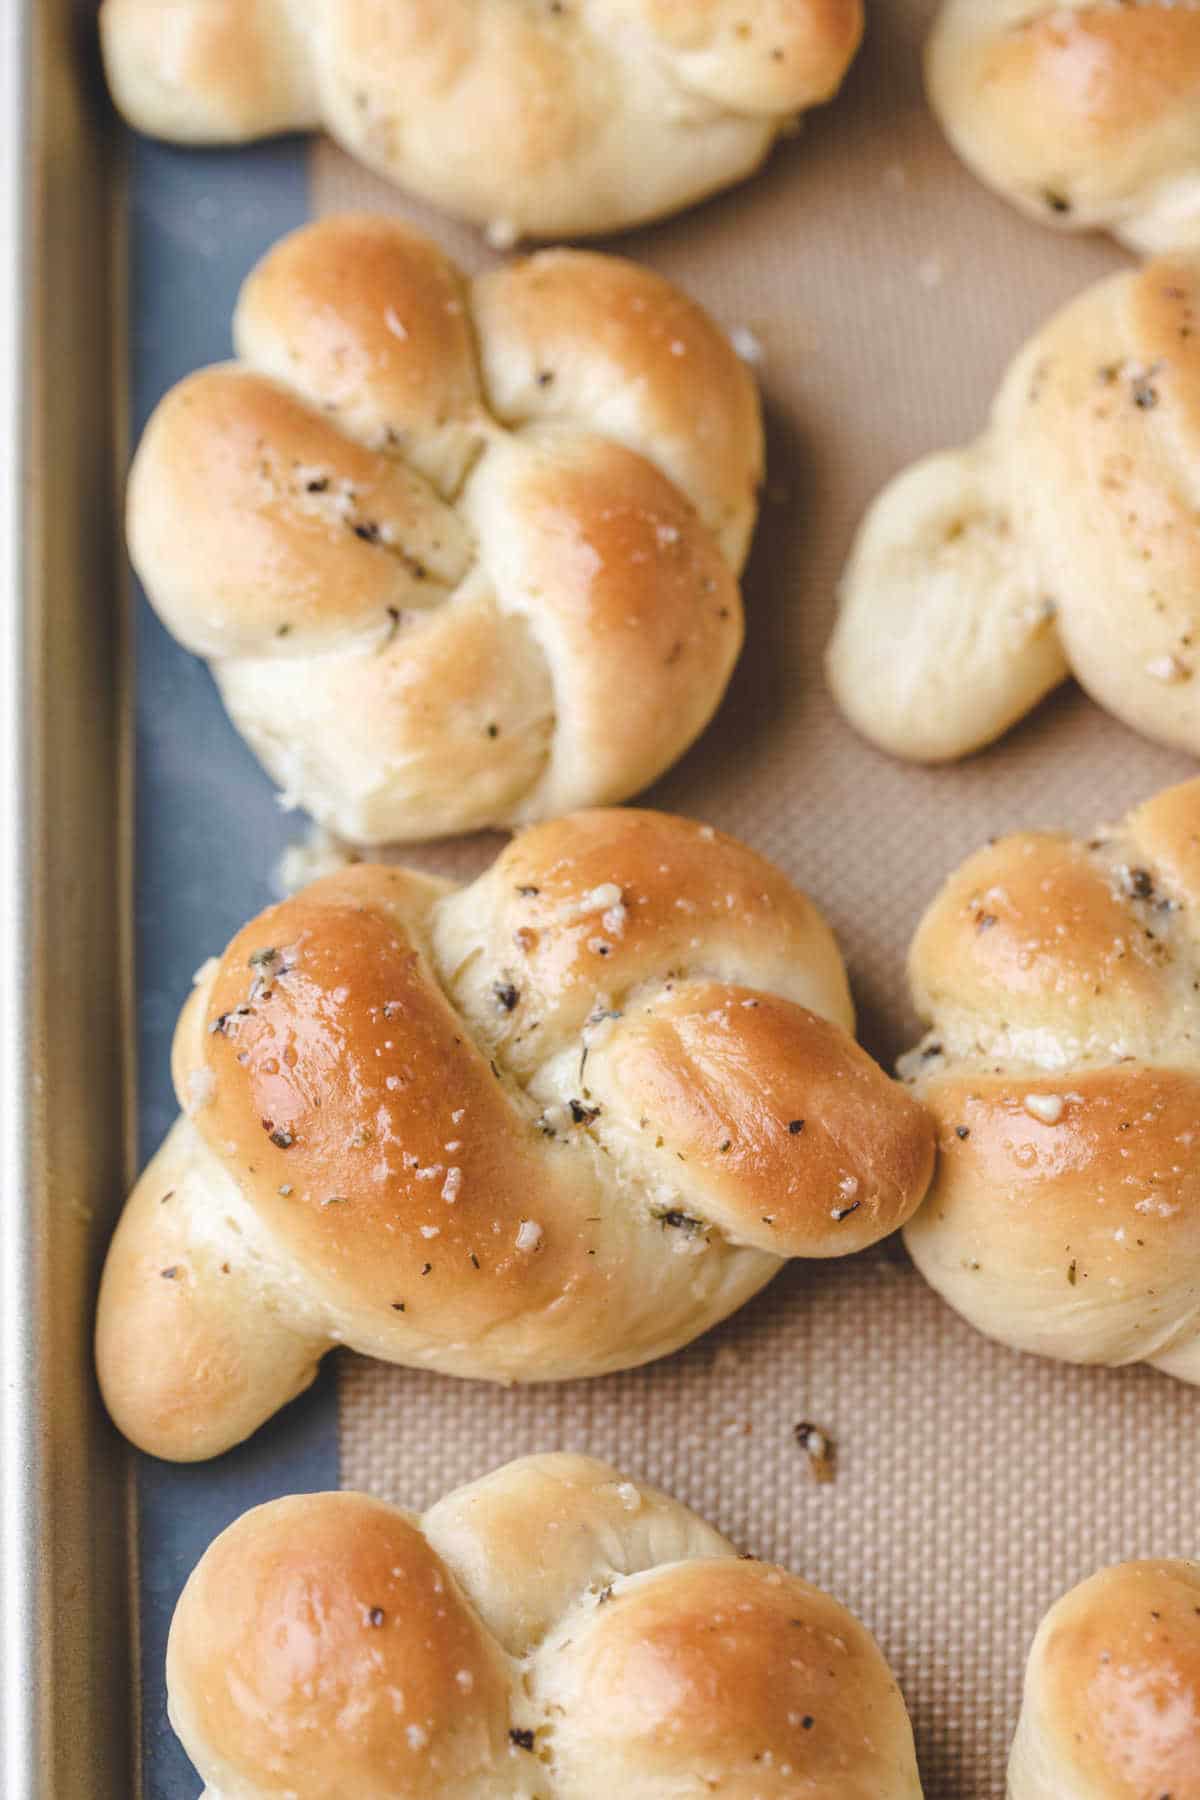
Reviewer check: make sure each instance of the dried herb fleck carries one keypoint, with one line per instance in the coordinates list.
(678, 1221)
(522, 1737)
(506, 994)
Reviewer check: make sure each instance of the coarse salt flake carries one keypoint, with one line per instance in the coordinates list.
(747, 346)
(529, 1236)
(1046, 1107)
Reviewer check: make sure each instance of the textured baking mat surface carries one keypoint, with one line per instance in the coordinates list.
(887, 290)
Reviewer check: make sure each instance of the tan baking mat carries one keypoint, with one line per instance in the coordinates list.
(888, 290)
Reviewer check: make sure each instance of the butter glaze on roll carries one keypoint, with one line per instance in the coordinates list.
(458, 554)
(1061, 980)
(554, 1123)
(546, 120)
(1112, 1690)
(1084, 113)
(551, 1632)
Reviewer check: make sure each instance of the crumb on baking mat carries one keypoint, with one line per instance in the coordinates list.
(819, 1448)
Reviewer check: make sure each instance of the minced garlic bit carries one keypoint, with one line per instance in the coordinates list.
(452, 1186)
(628, 1495)
(606, 895)
(1048, 1108)
(820, 1450)
(529, 1237)
(1171, 669)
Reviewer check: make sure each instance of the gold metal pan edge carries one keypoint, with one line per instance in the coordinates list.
(67, 1712)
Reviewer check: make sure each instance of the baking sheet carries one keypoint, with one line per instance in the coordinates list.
(887, 290)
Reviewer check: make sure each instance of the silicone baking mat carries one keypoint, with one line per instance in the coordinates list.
(886, 290)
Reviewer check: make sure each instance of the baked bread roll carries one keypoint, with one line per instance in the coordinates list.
(551, 1124)
(549, 121)
(1066, 540)
(1062, 984)
(1112, 1691)
(1082, 112)
(459, 554)
(553, 1630)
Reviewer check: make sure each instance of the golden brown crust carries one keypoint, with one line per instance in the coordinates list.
(816, 1149)
(323, 1643)
(594, 118)
(330, 1639)
(551, 1124)
(565, 324)
(327, 516)
(341, 1084)
(1060, 981)
(1112, 1691)
(767, 1687)
(1083, 113)
(1037, 930)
